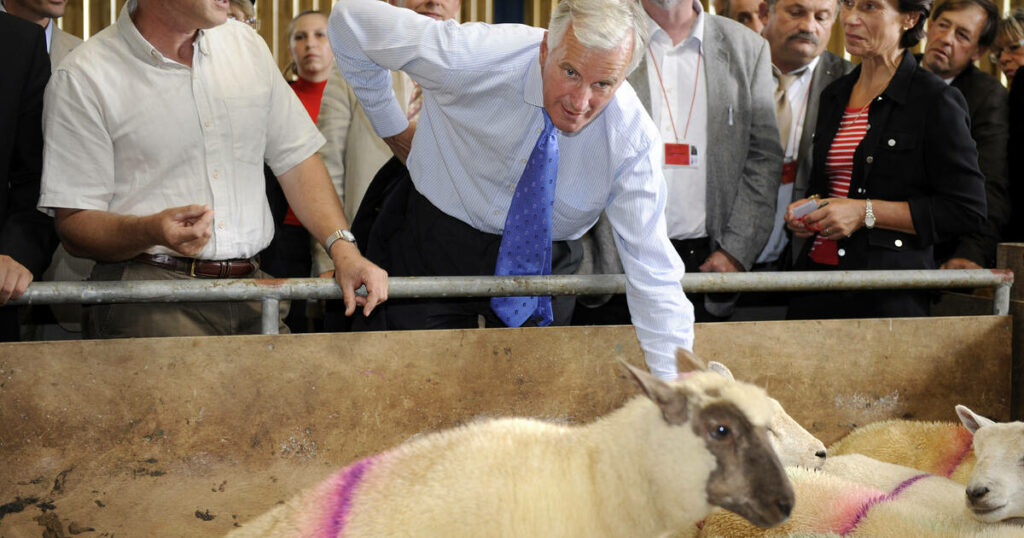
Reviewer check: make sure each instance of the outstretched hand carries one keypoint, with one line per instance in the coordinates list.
(186, 229)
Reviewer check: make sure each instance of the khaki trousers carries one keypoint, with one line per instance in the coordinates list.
(169, 319)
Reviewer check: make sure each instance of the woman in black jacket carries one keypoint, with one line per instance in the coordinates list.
(894, 166)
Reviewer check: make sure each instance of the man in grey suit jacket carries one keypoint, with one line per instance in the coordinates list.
(798, 32)
(42, 12)
(718, 122)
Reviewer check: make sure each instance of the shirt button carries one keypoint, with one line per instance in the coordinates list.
(860, 190)
(892, 142)
(898, 243)
(207, 124)
(870, 159)
(841, 252)
(216, 174)
(220, 225)
(868, 128)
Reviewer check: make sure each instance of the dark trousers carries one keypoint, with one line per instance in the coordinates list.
(9, 327)
(412, 237)
(856, 304)
(288, 256)
(695, 252)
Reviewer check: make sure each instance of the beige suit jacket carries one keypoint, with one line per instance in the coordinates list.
(61, 43)
(353, 153)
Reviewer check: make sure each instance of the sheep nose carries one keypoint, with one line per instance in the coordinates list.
(821, 454)
(785, 506)
(976, 494)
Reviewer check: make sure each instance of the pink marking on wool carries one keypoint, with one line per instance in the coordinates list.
(348, 481)
(880, 499)
(966, 442)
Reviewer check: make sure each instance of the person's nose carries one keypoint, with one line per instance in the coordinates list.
(579, 98)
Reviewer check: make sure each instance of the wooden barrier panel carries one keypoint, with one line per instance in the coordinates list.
(189, 436)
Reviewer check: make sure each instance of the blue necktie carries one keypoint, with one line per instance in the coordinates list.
(526, 242)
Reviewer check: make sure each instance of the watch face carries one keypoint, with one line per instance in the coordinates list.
(869, 220)
(347, 236)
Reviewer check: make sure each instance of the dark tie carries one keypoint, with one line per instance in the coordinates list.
(526, 242)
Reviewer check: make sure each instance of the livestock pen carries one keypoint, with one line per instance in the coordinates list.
(191, 436)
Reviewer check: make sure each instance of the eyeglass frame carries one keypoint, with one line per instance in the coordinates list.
(252, 22)
(993, 56)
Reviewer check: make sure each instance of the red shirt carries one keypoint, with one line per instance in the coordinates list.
(839, 167)
(311, 94)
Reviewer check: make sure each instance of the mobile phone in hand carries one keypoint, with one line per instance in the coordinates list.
(803, 209)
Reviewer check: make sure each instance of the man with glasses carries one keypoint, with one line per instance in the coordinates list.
(959, 33)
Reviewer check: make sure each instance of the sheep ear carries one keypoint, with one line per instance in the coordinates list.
(671, 400)
(721, 369)
(686, 361)
(971, 420)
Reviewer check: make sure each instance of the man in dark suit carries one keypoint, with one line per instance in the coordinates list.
(797, 32)
(960, 32)
(27, 236)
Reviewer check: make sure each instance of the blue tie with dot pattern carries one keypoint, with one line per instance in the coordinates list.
(526, 241)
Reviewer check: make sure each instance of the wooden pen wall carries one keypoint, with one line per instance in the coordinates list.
(86, 17)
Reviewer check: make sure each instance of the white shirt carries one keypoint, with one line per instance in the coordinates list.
(131, 132)
(482, 113)
(798, 97)
(686, 210)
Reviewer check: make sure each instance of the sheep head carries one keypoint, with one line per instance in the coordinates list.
(731, 419)
(795, 446)
(995, 491)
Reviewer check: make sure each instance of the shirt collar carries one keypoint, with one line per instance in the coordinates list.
(533, 92)
(138, 44)
(696, 32)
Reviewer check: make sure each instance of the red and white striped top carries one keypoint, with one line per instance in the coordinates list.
(839, 167)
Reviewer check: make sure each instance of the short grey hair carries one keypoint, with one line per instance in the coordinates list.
(601, 25)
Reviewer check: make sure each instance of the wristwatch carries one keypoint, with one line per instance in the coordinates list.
(338, 234)
(869, 215)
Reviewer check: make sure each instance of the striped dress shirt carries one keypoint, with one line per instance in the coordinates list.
(482, 113)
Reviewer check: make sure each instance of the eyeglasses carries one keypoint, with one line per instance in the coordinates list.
(997, 51)
(254, 22)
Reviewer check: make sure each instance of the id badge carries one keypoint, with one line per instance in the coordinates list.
(681, 155)
(788, 172)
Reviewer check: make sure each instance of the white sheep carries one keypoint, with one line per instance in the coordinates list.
(995, 491)
(795, 446)
(654, 467)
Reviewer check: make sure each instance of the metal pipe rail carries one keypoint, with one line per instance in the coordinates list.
(272, 291)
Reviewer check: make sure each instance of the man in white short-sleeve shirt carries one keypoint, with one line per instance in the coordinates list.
(156, 131)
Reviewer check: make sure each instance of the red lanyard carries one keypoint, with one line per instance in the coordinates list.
(668, 106)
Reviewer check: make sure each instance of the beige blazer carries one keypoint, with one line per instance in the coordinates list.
(61, 43)
(353, 153)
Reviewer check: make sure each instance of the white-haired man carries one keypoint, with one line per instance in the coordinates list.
(498, 101)
(156, 131)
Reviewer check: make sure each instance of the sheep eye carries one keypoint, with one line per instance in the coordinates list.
(720, 432)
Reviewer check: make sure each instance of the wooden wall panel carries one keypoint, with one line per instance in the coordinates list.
(143, 434)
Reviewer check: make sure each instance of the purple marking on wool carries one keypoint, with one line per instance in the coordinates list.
(880, 499)
(351, 477)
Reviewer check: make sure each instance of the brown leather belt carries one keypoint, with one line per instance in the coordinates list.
(201, 268)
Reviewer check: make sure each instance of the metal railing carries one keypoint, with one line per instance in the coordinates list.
(272, 291)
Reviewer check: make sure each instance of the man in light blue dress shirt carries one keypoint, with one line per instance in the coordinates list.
(485, 90)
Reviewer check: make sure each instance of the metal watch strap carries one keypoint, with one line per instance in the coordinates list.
(338, 234)
(869, 214)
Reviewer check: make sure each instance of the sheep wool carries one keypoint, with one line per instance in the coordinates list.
(939, 448)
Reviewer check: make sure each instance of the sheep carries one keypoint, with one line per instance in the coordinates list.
(854, 495)
(794, 445)
(940, 448)
(653, 467)
(995, 491)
